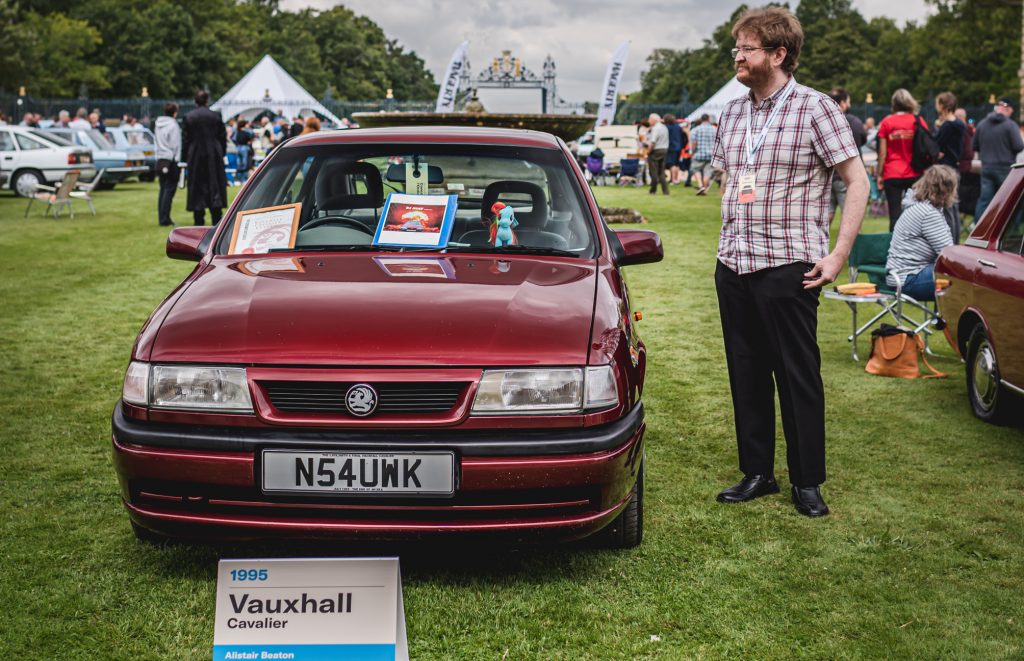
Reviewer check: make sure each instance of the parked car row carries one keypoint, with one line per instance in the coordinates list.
(29, 157)
(117, 163)
(32, 156)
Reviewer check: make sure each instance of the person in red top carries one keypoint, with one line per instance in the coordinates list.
(895, 149)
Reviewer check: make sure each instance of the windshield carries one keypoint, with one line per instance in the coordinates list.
(341, 191)
(138, 138)
(99, 140)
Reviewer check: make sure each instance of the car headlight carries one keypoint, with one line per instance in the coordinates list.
(190, 387)
(558, 390)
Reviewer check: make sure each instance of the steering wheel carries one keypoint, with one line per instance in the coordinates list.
(338, 220)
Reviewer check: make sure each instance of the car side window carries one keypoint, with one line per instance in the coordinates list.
(27, 143)
(1013, 233)
(6, 143)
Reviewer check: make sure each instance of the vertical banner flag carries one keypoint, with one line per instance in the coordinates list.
(450, 82)
(610, 91)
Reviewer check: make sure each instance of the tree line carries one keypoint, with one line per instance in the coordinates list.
(112, 48)
(970, 47)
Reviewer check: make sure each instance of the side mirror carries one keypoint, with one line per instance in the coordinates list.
(188, 243)
(639, 247)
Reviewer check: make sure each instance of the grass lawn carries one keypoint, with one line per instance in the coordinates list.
(921, 559)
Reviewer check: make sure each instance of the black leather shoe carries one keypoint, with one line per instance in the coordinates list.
(809, 502)
(749, 488)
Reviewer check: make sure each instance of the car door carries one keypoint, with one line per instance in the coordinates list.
(1000, 296)
(9, 157)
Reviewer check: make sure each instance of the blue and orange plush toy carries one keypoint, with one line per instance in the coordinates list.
(501, 227)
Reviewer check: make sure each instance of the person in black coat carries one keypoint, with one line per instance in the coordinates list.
(204, 141)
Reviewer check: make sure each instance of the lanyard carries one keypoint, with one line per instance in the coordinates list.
(753, 146)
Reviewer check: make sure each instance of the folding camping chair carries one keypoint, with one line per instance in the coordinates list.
(595, 166)
(868, 256)
(84, 191)
(629, 171)
(55, 198)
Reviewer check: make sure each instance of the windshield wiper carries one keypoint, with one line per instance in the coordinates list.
(349, 247)
(514, 250)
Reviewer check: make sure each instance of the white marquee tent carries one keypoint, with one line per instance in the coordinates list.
(268, 86)
(714, 106)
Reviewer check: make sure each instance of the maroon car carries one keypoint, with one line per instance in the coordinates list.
(344, 388)
(984, 305)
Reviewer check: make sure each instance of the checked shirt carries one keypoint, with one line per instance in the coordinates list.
(703, 139)
(789, 220)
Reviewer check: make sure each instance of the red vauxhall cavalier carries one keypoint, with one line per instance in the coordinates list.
(338, 386)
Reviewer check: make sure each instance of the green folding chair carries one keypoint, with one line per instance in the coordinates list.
(868, 256)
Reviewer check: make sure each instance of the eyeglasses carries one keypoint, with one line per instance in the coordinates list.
(747, 50)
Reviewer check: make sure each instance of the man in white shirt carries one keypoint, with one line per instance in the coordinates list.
(657, 142)
(80, 121)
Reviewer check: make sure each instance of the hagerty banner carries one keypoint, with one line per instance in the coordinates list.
(450, 82)
(610, 90)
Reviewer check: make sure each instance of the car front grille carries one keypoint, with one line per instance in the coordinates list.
(393, 398)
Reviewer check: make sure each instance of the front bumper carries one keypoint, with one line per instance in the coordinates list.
(119, 174)
(204, 482)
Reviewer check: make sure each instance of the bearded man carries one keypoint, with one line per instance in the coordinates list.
(779, 144)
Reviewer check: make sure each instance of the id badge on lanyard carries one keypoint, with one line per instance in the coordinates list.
(748, 178)
(748, 187)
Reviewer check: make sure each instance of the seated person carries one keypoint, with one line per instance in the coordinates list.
(921, 232)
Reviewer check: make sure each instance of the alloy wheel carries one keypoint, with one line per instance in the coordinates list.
(25, 184)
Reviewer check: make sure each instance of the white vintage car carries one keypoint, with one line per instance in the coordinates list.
(30, 156)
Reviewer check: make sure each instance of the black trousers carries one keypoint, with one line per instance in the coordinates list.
(168, 185)
(770, 325)
(199, 218)
(656, 168)
(894, 191)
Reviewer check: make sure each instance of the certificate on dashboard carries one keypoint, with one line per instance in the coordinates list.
(259, 231)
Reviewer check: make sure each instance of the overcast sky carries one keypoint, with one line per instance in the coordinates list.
(579, 34)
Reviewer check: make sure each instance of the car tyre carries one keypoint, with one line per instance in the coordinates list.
(627, 530)
(25, 181)
(148, 536)
(987, 396)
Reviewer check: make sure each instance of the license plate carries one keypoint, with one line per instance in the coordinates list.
(148, 153)
(406, 473)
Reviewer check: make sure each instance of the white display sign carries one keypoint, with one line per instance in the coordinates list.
(315, 609)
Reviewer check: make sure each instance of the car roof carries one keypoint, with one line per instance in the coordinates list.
(464, 135)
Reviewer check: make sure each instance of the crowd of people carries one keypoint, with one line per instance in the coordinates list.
(201, 143)
(83, 119)
(678, 152)
(199, 140)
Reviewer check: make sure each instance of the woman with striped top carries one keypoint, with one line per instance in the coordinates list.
(922, 232)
